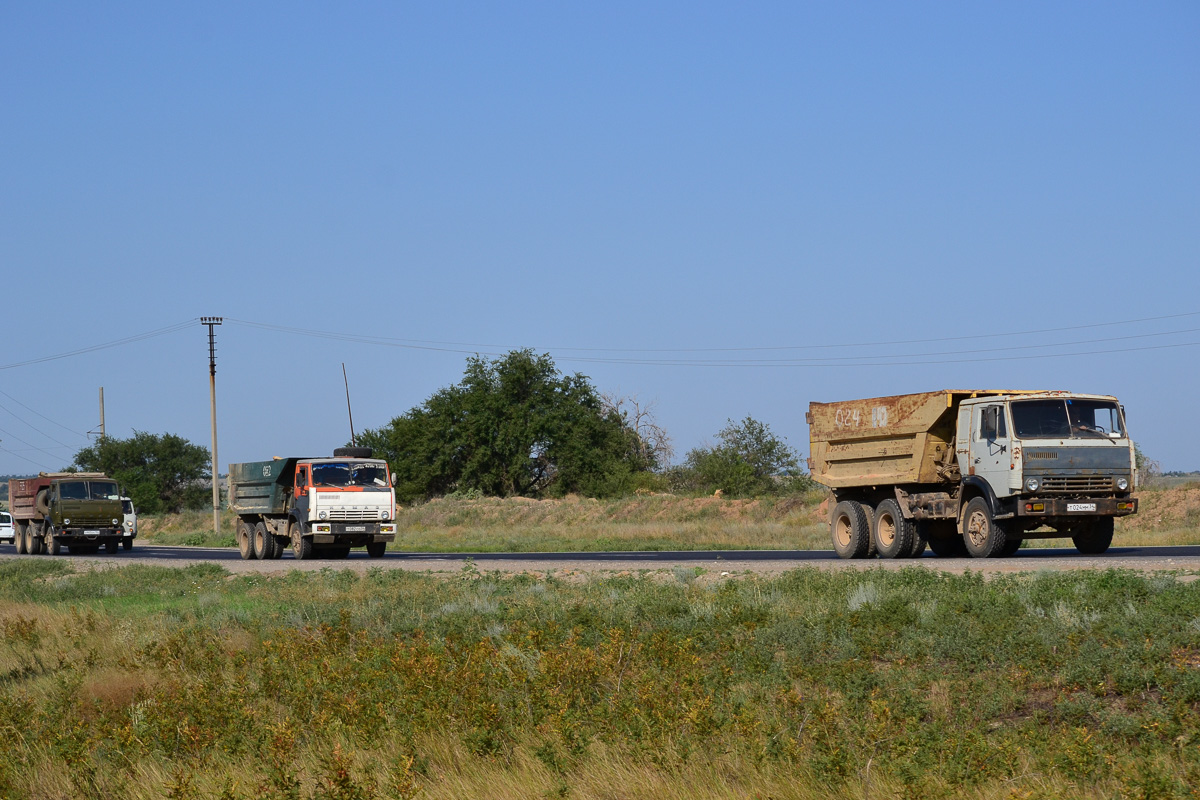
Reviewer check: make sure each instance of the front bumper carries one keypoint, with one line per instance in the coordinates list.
(353, 533)
(1076, 507)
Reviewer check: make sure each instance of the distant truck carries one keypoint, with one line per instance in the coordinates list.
(318, 506)
(128, 523)
(972, 472)
(77, 510)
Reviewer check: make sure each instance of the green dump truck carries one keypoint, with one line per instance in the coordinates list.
(80, 511)
(972, 472)
(317, 506)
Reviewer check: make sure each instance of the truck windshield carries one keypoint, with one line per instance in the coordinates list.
(1071, 418)
(349, 475)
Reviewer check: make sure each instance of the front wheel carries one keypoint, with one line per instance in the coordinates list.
(302, 547)
(127, 544)
(983, 536)
(112, 546)
(376, 549)
(1097, 539)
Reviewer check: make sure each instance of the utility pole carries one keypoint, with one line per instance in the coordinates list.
(101, 412)
(212, 396)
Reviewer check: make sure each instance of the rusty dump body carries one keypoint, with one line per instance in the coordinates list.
(902, 439)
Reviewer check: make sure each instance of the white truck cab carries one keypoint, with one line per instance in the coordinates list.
(128, 523)
(7, 533)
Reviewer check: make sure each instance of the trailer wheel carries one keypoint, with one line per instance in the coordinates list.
(850, 530)
(243, 536)
(983, 536)
(376, 549)
(261, 542)
(1097, 539)
(893, 534)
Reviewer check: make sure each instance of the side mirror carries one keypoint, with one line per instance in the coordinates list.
(393, 479)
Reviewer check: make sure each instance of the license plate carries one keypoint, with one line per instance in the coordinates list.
(356, 529)
(1081, 507)
(91, 533)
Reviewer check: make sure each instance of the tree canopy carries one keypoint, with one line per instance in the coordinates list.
(513, 426)
(749, 459)
(161, 473)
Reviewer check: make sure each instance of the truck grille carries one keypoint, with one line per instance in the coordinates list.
(353, 513)
(1077, 483)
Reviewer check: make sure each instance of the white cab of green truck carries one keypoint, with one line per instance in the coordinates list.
(972, 472)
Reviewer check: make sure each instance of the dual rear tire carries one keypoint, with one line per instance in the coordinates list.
(859, 531)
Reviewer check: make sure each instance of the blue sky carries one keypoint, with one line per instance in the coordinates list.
(913, 191)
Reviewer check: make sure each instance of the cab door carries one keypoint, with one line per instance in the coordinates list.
(300, 492)
(991, 455)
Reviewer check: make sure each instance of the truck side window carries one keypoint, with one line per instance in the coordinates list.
(991, 423)
(302, 478)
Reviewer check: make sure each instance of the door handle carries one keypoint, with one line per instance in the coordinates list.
(978, 460)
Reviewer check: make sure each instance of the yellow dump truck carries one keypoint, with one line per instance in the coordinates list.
(972, 472)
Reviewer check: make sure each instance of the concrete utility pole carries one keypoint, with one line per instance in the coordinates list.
(212, 396)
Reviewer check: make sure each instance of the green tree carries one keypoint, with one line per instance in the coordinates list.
(748, 460)
(512, 426)
(161, 473)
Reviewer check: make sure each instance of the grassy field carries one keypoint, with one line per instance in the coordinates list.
(659, 522)
(144, 682)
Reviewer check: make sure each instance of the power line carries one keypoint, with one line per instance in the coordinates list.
(874, 359)
(40, 414)
(105, 346)
(449, 346)
(24, 422)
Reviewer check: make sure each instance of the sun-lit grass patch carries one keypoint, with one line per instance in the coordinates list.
(156, 682)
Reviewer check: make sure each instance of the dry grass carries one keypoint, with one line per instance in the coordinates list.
(1168, 516)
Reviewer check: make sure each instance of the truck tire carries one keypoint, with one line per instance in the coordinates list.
(1097, 538)
(19, 541)
(983, 536)
(893, 534)
(281, 544)
(35, 540)
(302, 547)
(261, 542)
(353, 452)
(850, 530)
(41, 502)
(111, 546)
(127, 543)
(56, 545)
(244, 534)
(947, 546)
(376, 549)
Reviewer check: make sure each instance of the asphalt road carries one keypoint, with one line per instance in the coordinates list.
(1182, 558)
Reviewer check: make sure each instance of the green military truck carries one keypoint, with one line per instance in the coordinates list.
(318, 506)
(972, 472)
(80, 511)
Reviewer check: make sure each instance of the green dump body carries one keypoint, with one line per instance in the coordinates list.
(261, 487)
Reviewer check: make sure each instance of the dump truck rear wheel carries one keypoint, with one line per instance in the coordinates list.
(893, 534)
(376, 549)
(1097, 539)
(850, 530)
(19, 540)
(261, 543)
(35, 540)
(983, 536)
(244, 532)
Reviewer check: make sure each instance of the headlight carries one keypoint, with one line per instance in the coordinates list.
(66, 522)
(322, 515)
(1032, 484)
(384, 514)
(1122, 484)
(116, 522)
